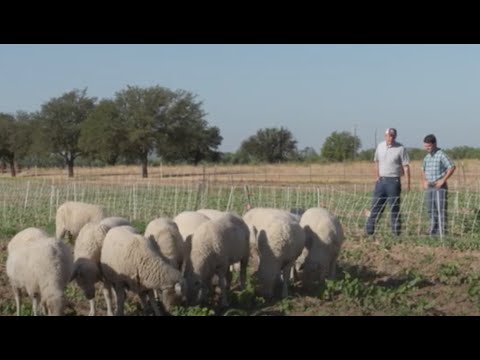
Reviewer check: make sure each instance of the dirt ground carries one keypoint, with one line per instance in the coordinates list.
(373, 278)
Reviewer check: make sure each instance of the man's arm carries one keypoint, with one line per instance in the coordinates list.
(377, 171)
(439, 183)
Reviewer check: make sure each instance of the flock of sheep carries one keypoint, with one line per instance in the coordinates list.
(176, 261)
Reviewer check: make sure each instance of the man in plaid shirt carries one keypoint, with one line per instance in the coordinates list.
(437, 168)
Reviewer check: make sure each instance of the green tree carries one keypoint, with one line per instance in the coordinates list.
(16, 138)
(269, 145)
(187, 136)
(103, 134)
(61, 120)
(340, 146)
(7, 131)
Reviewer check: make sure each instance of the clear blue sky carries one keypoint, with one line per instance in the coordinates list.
(310, 89)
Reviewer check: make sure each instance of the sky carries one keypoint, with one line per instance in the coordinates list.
(310, 89)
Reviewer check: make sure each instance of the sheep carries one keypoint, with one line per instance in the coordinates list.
(43, 268)
(25, 237)
(277, 240)
(169, 240)
(86, 269)
(213, 247)
(211, 213)
(188, 221)
(115, 221)
(71, 216)
(130, 261)
(324, 237)
(214, 214)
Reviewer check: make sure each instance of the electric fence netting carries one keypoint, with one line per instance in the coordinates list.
(34, 202)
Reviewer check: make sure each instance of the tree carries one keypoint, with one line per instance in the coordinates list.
(16, 137)
(340, 146)
(61, 120)
(187, 136)
(270, 145)
(7, 131)
(142, 113)
(103, 134)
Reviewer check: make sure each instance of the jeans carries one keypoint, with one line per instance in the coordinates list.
(386, 190)
(436, 201)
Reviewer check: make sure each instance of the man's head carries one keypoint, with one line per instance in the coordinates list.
(390, 135)
(430, 143)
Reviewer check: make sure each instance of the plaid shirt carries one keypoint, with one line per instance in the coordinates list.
(435, 165)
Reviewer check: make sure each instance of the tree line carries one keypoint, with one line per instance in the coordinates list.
(141, 124)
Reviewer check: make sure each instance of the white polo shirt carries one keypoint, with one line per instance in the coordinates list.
(391, 159)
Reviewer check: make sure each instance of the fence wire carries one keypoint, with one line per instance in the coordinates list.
(34, 202)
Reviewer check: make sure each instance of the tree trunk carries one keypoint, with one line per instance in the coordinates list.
(11, 162)
(70, 167)
(144, 167)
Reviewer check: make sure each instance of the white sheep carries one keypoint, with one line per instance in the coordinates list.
(86, 269)
(114, 221)
(169, 240)
(71, 216)
(213, 247)
(277, 240)
(43, 268)
(324, 237)
(130, 261)
(188, 221)
(25, 237)
(214, 214)
(211, 213)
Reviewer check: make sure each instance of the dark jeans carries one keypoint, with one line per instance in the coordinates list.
(436, 202)
(386, 190)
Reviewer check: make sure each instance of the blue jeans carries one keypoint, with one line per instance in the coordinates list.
(386, 190)
(436, 201)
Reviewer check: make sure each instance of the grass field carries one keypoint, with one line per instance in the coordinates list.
(409, 275)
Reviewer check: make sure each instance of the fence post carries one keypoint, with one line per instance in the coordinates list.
(52, 195)
(26, 195)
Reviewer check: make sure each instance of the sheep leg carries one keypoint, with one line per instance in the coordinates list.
(243, 273)
(120, 293)
(107, 293)
(222, 282)
(18, 298)
(143, 300)
(286, 276)
(153, 303)
(92, 307)
(35, 305)
(228, 278)
(332, 270)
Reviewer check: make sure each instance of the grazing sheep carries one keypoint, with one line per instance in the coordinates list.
(323, 239)
(25, 237)
(71, 216)
(213, 247)
(277, 240)
(114, 221)
(43, 268)
(86, 268)
(211, 213)
(130, 261)
(169, 240)
(188, 221)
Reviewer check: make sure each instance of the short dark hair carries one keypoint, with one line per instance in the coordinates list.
(430, 139)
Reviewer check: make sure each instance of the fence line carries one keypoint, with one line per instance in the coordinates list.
(33, 203)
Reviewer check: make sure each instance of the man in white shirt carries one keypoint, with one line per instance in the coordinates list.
(391, 162)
